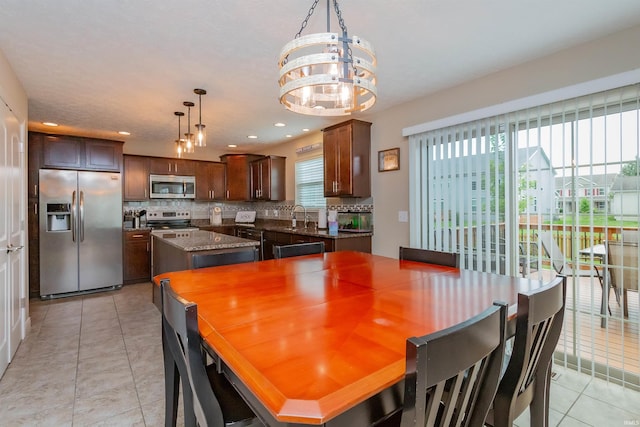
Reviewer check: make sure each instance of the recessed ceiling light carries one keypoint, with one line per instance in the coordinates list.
(252, 136)
(279, 125)
(124, 132)
(289, 136)
(50, 124)
(232, 145)
(305, 130)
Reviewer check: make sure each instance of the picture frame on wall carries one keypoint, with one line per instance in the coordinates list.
(389, 160)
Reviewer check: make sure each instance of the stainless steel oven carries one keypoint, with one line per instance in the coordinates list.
(172, 187)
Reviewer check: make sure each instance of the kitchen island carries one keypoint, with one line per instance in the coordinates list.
(174, 251)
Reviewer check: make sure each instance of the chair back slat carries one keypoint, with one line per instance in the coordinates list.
(452, 375)
(449, 259)
(298, 249)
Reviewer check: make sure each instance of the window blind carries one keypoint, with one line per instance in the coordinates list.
(310, 183)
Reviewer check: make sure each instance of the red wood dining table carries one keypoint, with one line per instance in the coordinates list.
(320, 339)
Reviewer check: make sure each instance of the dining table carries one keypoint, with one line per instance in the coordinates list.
(321, 339)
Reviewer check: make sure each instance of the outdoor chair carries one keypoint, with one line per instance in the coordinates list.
(622, 269)
(526, 380)
(559, 262)
(298, 249)
(448, 259)
(209, 398)
(452, 375)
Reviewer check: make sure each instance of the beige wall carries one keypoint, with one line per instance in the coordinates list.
(605, 57)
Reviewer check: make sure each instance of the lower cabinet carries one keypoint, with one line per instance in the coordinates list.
(356, 243)
(137, 256)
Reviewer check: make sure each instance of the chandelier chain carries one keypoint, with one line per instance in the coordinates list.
(306, 20)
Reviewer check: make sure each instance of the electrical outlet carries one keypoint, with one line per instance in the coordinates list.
(403, 216)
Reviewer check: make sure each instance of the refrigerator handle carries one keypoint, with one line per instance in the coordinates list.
(74, 222)
(82, 216)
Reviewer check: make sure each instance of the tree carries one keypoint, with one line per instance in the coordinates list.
(632, 168)
(585, 206)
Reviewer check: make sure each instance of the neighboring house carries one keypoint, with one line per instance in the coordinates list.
(536, 178)
(594, 188)
(625, 200)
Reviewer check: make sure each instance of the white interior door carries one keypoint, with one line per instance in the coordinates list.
(15, 249)
(4, 240)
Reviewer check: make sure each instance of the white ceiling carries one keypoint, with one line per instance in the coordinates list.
(97, 67)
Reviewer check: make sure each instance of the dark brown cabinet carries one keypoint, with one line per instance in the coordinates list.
(169, 166)
(136, 178)
(210, 184)
(268, 178)
(238, 179)
(71, 152)
(347, 153)
(137, 256)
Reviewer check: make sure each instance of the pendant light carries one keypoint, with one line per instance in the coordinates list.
(179, 141)
(189, 145)
(321, 74)
(201, 133)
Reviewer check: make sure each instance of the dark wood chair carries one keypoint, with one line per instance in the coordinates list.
(209, 399)
(526, 380)
(452, 375)
(448, 259)
(224, 258)
(298, 249)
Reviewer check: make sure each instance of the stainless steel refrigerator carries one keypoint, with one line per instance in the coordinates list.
(80, 231)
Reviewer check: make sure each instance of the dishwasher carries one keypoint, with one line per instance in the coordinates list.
(248, 232)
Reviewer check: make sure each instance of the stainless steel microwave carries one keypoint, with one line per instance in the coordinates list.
(172, 187)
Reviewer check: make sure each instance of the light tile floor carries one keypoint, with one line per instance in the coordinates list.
(97, 360)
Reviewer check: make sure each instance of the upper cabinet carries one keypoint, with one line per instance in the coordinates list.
(72, 152)
(238, 180)
(210, 184)
(136, 178)
(268, 178)
(169, 166)
(347, 152)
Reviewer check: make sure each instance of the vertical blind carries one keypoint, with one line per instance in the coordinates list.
(489, 188)
(310, 183)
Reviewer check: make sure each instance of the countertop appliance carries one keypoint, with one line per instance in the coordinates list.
(172, 187)
(80, 231)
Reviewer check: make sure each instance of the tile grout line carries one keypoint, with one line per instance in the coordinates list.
(129, 360)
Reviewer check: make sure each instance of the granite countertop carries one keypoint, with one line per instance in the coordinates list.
(285, 227)
(201, 240)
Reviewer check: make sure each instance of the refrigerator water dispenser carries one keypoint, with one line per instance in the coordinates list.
(58, 217)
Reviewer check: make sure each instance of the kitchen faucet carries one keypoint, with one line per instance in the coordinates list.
(293, 216)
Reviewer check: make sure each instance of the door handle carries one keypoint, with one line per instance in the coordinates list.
(11, 248)
(82, 216)
(74, 219)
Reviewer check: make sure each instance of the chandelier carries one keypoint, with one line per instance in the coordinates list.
(322, 75)
(187, 144)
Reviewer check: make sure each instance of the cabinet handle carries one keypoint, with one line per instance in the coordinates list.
(35, 189)
(147, 246)
(213, 194)
(227, 194)
(35, 209)
(137, 236)
(175, 167)
(145, 193)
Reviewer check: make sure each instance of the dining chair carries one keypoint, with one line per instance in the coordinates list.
(622, 268)
(526, 380)
(224, 258)
(449, 259)
(452, 375)
(209, 398)
(298, 249)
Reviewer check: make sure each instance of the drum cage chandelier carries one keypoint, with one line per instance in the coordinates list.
(327, 74)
